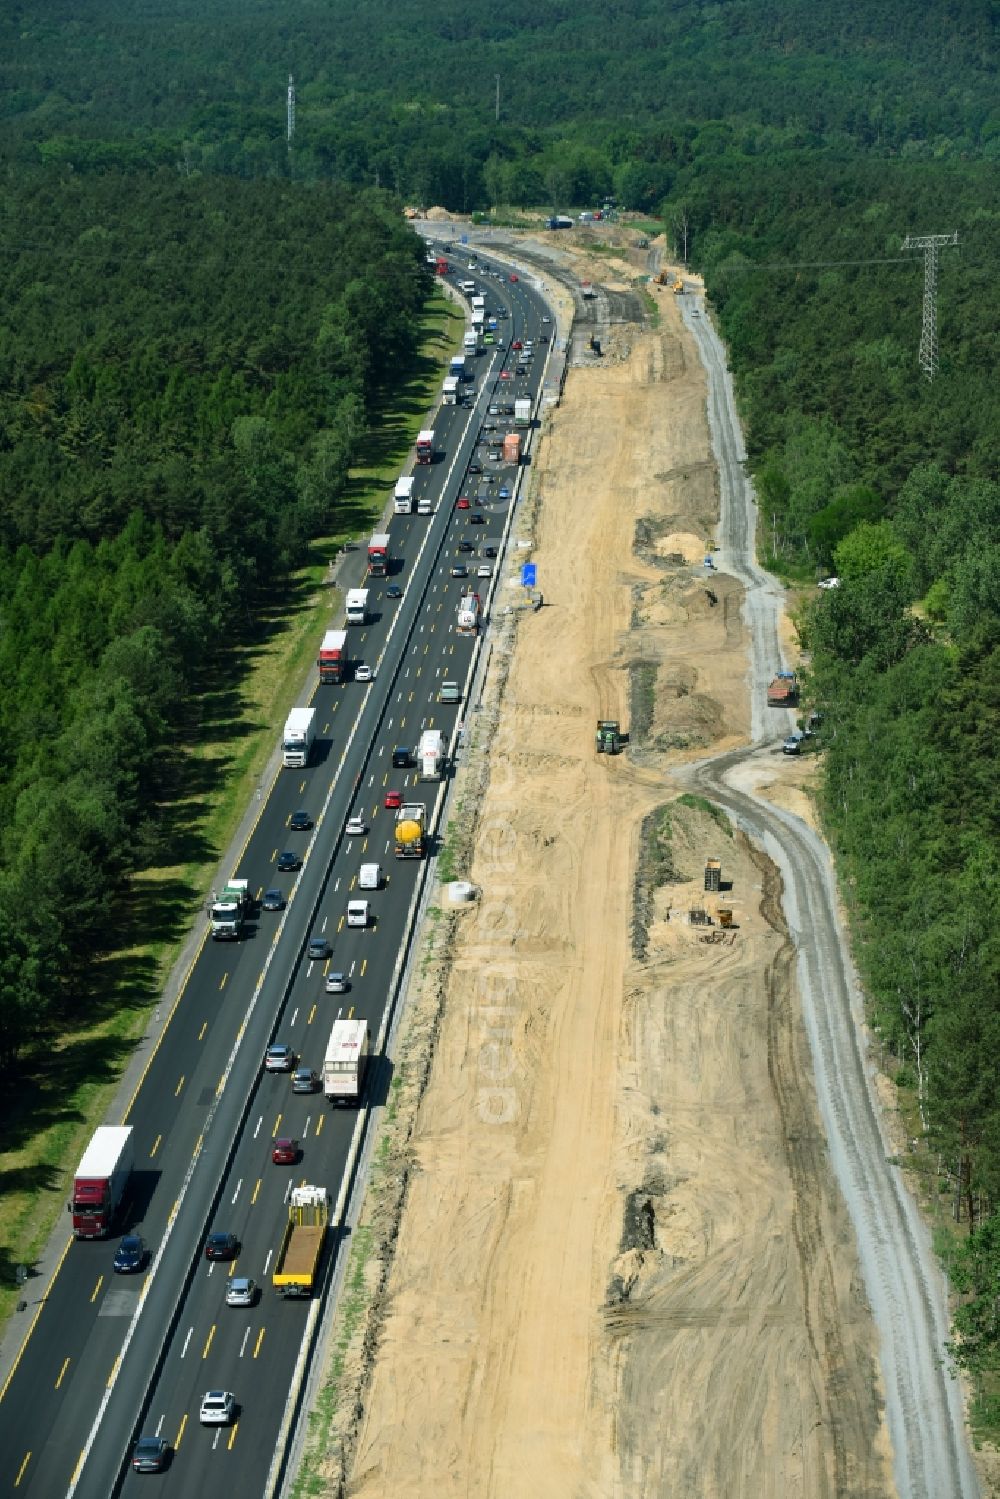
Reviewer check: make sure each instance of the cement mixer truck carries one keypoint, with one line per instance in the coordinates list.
(411, 830)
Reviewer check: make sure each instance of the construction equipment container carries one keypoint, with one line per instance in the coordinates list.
(713, 874)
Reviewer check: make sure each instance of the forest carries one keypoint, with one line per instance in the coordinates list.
(185, 368)
(867, 470)
(593, 99)
(199, 319)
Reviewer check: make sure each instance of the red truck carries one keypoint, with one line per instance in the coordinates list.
(512, 447)
(332, 658)
(378, 555)
(425, 445)
(783, 690)
(441, 266)
(100, 1182)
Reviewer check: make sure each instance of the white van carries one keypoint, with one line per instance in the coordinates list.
(357, 913)
(370, 877)
(466, 286)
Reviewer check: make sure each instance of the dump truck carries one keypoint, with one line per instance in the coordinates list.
(467, 618)
(609, 736)
(411, 830)
(378, 555)
(297, 738)
(783, 690)
(297, 1261)
(229, 910)
(345, 1061)
(512, 447)
(332, 658)
(430, 755)
(425, 445)
(100, 1180)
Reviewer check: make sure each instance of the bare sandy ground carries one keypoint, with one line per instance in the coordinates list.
(623, 1267)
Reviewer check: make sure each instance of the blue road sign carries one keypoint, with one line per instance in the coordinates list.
(465, 239)
(528, 574)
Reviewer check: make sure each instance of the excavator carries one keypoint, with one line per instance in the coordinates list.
(610, 739)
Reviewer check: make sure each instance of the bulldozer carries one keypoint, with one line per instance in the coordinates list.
(609, 736)
(678, 286)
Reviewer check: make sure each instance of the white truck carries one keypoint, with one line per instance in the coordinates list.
(467, 622)
(297, 739)
(430, 755)
(402, 496)
(449, 391)
(345, 1061)
(470, 342)
(357, 606)
(522, 412)
(229, 911)
(479, 305)
(456, 366)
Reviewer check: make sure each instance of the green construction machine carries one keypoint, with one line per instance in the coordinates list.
(609, 736)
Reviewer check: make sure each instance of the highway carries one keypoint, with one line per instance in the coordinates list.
(111, 1356)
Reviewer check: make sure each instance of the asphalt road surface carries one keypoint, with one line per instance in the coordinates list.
(109, 1356)
(902, 1276)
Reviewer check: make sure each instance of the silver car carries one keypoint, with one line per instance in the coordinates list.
(218, 1408)
(241, 1291)
(336, 983)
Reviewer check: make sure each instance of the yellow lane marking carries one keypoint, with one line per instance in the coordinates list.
(100, 1282)
(208, 1341)
(62, 1372)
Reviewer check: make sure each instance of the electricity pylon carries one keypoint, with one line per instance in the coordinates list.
(930, 244)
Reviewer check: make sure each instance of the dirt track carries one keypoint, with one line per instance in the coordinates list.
(623, 1266)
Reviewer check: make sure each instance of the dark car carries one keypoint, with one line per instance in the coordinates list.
(465, 546)
(130, 1256)
(319, 949)
(285, 1152)
(304, 1080)
(150, 1454)
(222, 1247)
(394, 591)
(475, 519)
(401, 758)
(288, 862)
(520, 369)
(489, 551)
(475, 468)
(300, 822)
(272, 900)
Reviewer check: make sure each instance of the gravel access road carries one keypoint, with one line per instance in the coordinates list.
(903, 1278)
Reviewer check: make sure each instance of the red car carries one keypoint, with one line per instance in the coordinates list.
(285, 1152)
(505, 374)
(517, 344)
(463, 503)
(512, 276)
(394, 799)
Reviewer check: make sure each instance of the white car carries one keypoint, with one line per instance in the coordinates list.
(484, 570)
(363, 673)
(828, 583)
(546, 320)
(218, 1407)
(356, 826)
(357, 913)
